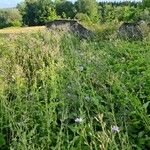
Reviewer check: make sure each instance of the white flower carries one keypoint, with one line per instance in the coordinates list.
(81, 68)
(97, 82)
(89, 61)
(78, 120)
(69, 87)
(115, 129)
(81, 54)
(68, 94)
(87, 98)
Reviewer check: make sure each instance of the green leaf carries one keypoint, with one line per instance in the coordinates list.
(146, 105)
(2, 140)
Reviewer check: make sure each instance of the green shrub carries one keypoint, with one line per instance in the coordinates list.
(82, 17)
(88, 7)
(16, 23)
(104, 31)
(10, 17)
(129, 14)
(145, 15)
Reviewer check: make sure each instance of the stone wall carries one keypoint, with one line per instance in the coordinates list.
(69, 26)
(130, 31)
(134, 31)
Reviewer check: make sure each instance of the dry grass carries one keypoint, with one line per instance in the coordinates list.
(22, 30)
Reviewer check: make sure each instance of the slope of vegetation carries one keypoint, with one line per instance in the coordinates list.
(66, 93)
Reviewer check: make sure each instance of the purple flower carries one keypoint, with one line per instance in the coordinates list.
(115, 129)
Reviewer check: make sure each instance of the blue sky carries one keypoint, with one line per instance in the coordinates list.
(13, 3)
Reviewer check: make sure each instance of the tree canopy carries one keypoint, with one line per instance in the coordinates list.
(88, 7)
(39, 12)
(146, 3)
(65, 9)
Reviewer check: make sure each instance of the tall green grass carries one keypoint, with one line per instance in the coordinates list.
(64, 93)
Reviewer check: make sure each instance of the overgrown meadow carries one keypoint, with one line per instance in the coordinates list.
(64, 93)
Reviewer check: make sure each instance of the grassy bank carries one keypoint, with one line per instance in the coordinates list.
(66, 93)
(15, 30)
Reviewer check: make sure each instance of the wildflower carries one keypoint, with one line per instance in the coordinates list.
(81, 68)
(81, 54)
(68, 94)
(93, 57)
(69, 87)
(78, 120)
(89, 61)
(87, 98)
(97, 82)
(115, 129)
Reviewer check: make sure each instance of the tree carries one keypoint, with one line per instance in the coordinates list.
(130, 14)
(82, 17)
(145, 15)
(10, 17)
(89, 7)
(65, 8)
(146, 3)
(108, 13)
(37, 12)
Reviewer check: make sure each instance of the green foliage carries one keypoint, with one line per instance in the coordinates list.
(107, 12)
(82, 17)
(65, 7)
(2, 140)
(145, 15)
(88, 7)
(146, 4)
(10, 17)
(110, 13)
(130, 14)
(48, 81)
(37, 12)
(105, 31)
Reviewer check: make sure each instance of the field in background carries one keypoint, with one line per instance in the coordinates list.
(22, 30)
(71, 94)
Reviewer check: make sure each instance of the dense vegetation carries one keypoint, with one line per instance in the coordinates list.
(39, 12)
(65, 93)
(60, 92)
(10, 18)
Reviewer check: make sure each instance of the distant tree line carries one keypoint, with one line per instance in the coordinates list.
(38, 12)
